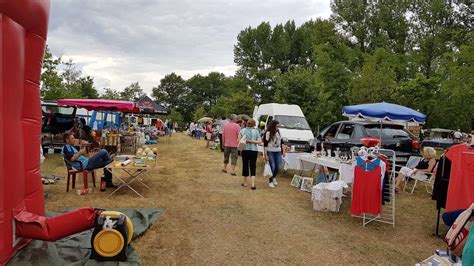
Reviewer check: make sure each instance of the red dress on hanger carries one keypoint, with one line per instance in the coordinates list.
(461, 180)
(367, 187)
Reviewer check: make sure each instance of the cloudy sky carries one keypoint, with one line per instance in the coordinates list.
(122, 41)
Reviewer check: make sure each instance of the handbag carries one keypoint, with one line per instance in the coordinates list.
(458, 233)
(242, 143)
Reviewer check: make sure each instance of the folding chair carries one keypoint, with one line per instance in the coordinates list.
(71, 173)
(429, 181)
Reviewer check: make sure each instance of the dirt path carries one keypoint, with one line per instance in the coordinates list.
(211, 219)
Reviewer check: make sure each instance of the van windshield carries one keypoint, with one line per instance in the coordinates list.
(292, 122)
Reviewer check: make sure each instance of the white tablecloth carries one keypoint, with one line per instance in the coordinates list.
(307, 162)
(291, 161)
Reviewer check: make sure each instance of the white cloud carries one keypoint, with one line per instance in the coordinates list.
(123, 41)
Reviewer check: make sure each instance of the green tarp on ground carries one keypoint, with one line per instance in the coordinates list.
(76, 249)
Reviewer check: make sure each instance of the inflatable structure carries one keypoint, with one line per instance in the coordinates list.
(23, 29)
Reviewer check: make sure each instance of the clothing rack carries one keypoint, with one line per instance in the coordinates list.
(387, 214)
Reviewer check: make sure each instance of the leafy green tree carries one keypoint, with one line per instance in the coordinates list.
(51, 81)
(456, 104)
(206, 89)
(300, 86)
(132, 92)
(199, 113)
(173, 93)
(85, 87)
(175, 116)
(110, 94)
(239, 102)
(376, 80)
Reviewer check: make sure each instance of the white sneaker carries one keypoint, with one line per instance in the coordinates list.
(271, 185)
(275, 181)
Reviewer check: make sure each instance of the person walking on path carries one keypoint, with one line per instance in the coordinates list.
(208, 134)
(230, 135)
(222, 124)
(250, 152)
(273, 150)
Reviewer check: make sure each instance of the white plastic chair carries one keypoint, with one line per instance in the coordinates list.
(429, 181)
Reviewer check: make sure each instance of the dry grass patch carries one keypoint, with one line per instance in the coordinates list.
(210, 218)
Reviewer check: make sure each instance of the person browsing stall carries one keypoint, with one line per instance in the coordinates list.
(274, 150)
(250, 152)
(222, 124)
(230, 135)
(98, 160)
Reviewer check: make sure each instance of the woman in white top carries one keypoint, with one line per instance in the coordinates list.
(274, 150)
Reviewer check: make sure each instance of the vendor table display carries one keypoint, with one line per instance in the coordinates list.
(133, 167)
(308, 161)
(291, 160)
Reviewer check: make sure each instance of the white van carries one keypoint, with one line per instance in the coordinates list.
(294, 128)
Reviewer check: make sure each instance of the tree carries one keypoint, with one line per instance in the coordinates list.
(132, 92)
(51, 81)
(110, 94)
(199, 113)
(68, 84)
(300, 86)
(85, 87)
(206, 89)
(239, 102)
(175, 116)
(173, 93)
(376, 80)
(70, 75)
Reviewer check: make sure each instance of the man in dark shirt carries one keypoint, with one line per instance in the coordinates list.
(99, 160)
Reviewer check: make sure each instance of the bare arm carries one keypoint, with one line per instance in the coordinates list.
(79, 153)
(431, 165)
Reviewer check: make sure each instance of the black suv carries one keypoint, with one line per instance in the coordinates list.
(347, 134)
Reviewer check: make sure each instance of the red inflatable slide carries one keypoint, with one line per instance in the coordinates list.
(23, 31)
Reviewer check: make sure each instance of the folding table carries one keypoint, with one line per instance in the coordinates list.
(132, 173)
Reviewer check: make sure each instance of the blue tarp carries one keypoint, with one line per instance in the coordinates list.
(383, 110)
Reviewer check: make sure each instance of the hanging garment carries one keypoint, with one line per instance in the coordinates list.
(367, 187)
(440, 187)
(386, 180)
(461, 181)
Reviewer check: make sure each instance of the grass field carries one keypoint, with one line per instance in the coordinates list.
(211, 219)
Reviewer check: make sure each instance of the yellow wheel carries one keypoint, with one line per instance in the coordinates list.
(128, 222)
(108, 243)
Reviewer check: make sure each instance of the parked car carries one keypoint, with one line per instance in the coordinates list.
(347, 134)
(294, 128)
(440, 139)
(55, 122)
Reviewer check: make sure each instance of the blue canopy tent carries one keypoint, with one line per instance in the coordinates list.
(384, 111)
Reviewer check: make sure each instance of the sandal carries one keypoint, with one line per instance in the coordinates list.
(224, 171)
(233, 174)
(243, 185)
(254, 188)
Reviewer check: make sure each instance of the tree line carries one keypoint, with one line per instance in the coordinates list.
(414, 53)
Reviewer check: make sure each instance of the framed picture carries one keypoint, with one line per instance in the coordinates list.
(296, 181)
(306, 184)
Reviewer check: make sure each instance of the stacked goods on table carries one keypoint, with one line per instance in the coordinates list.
(139, 162)
(147, 153)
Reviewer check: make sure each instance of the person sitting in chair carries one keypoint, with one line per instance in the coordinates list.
(98, 160)
(426, 165)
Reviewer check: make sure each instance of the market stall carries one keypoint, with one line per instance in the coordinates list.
(114, 139)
